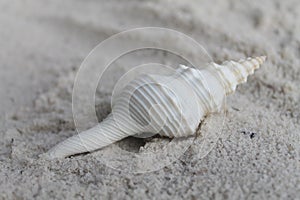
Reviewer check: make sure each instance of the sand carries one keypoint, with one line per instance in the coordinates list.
(42, 46)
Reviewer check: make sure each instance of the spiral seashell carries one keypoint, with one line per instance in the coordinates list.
(171, 106)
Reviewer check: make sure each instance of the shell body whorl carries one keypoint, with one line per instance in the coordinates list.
(171, 106)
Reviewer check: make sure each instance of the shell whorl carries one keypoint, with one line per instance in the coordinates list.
(171, 106)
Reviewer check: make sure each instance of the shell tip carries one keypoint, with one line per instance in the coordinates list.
(261, 59)
(45, 156)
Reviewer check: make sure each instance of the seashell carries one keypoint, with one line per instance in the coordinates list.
(171, 106)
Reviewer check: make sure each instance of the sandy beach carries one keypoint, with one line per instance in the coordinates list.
(43, 44)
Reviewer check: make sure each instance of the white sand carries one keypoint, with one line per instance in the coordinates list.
(42, 45)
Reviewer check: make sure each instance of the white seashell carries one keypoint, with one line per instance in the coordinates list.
(171, 106)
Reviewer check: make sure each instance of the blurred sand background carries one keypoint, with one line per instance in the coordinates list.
(43, 44)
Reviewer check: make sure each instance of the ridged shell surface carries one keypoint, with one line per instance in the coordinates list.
(171, 106)
(151, 104)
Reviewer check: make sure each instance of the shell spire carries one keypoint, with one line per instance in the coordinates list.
(171, 106)
(234, 73)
